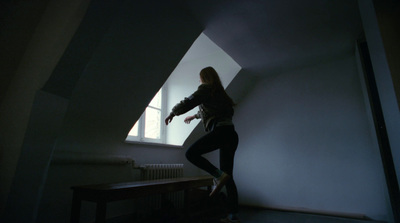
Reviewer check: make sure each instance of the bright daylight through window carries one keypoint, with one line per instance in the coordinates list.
(148, 128)
(182, 82)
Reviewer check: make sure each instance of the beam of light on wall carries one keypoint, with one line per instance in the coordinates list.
(185, 79)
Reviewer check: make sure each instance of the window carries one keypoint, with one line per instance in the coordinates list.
(182, 82)
(149, 127)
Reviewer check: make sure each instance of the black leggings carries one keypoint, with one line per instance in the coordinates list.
(226, 140)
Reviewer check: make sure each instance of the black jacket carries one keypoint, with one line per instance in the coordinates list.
(214, 110)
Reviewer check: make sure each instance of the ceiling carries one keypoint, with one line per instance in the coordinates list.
(262, 36)
(270, 36)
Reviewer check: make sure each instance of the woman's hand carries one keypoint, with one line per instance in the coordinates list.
(169, 119)
(189, 119)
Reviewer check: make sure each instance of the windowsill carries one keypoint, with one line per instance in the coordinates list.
(154, 144)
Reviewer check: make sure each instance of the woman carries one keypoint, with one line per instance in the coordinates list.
(215, 111)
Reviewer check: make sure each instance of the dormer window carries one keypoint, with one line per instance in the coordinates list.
(149, 127)
(182, 82)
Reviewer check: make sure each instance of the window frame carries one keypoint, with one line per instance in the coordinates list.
(141, 122)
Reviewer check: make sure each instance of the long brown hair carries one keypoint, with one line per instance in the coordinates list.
(209, 76)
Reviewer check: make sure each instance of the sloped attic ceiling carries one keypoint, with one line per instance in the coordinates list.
(264, 36)
(268, 36)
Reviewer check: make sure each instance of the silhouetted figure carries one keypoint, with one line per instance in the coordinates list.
(216, 112)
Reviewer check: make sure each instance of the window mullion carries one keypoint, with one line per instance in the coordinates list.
(163, 114)
(153, 110)
(142, 126)
(154, 107)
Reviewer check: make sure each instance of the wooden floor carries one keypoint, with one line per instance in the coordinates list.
(252, 215)
(202, 209)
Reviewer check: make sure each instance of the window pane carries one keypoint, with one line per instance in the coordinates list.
(152, 128)
(134, 130)
(156, 101)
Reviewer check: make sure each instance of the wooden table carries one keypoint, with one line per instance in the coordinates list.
(104, 193)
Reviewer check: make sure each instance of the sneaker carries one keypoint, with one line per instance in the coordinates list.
(229, 220)
(219, 183)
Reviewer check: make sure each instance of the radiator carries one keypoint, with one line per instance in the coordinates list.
(163, 171)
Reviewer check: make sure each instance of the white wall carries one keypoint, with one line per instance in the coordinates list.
(305, 143)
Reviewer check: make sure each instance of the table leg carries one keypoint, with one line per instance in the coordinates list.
(76, 209)
(101, 212)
